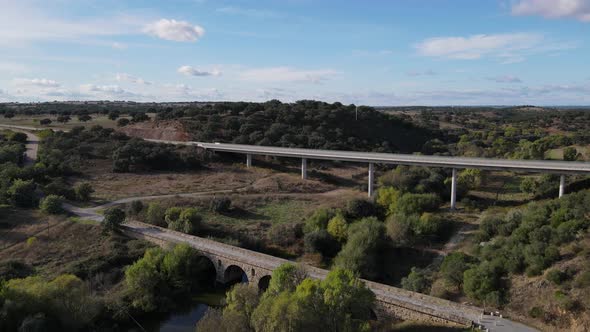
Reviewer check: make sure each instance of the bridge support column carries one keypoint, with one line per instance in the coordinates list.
(304, 168)
(561, 185)
(371, 179)
(248, 160)
(454, 189)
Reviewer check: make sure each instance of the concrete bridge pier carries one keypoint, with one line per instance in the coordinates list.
(371, 180)
(248, 160)
(304, 168)
(454, 190)
(561, 185)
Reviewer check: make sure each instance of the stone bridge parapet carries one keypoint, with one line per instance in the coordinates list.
(391, 301)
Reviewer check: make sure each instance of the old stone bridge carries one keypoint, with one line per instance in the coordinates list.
(233, 263)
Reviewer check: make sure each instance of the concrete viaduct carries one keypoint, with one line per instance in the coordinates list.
(562, 168)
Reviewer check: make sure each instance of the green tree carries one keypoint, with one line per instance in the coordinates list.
(453, 267)
(52, 204)
(113, 218)
(172, 214)
(155, 214)
(318, 220)
(84, 118)
(122, 122)
(417, 203)
(22, 193)
(387, 198)
(417, 281)
(361, 252)
(338, 228)
(486, 283)
(83, 191)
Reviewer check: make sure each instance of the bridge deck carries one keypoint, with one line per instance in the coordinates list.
(544, 166)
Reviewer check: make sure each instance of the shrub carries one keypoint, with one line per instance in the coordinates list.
(417, 203)
(417, 281)
(113, 218)
(83, 191)
(122, 122)
(52, 204)
(486, 282)
(361, 253)
(556, 276)
(220, 205)
(453, 267)
(155, 215)
(321, 241)
(18, 137)
(22, 193)
(536, 312)
(136, 207)
(172, 214)
(582, 279)
(360, 208)
(338, 228)
(387, 198)
(318, 220)
(283, 234)
(400, 228)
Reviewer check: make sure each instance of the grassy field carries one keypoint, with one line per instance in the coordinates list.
(33, 121)
(55, 245)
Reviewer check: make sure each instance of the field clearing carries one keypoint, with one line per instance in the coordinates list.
(55, 245)
(557, 154)
(33, 121)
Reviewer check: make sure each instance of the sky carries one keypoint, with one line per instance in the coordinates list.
(371, 52)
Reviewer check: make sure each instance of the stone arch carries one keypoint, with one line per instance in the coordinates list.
(234, 274)
(206, 273)
(263, 283)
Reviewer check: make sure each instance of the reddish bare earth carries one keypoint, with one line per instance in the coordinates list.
(164, 130)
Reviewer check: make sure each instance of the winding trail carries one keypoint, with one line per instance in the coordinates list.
(491, 323)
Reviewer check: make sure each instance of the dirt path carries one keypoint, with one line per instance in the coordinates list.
(32, 144)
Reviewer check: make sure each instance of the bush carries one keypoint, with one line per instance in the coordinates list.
(387, 198)
(338, 228)
(318, 220)
(52, 204)
(582, 279)
(113, 218)
(486, 282)
(360, 208)
(155, 215)
(183, 220)
(220, 205)
(18, 137)
(555, 276)
(45, 122)
(400, 228)
(417, 203)
(284, 234)
(83, 191)
(136, 207)
(22, 193)
(122, 122)
(536, 312)
(322, 242)
(417, 281)
(453, 267)
(366, 240)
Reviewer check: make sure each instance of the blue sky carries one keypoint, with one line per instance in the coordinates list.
(398, 52)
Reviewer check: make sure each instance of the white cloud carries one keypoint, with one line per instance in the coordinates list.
(477, 46)
(119, 46)
(428, 72)
(255, 13)
(40, 82)
(192, 71)
(286, 74)
(367, 53)
(124, 77)
(24, 22)
(107, 91)
(577, 9)
(180, 31)
(505, 79)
